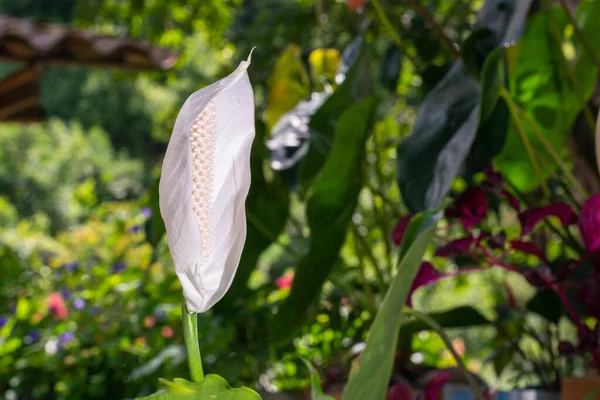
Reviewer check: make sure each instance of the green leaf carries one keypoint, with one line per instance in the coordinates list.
(212, 387)
(330, 205)
(323, 124)
(459, 317)
(540, 83)
(23, 310)
(316, 392)
(502, 354)
(547, 304)
(371, 372)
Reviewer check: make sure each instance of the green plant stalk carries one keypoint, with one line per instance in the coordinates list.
(383, 218)
(367, 251)
(586, 45)
(363, 276)
(440, 331)
(388, 25)
(521, 130)
(552, 151)
(571, 75)
(190, 336)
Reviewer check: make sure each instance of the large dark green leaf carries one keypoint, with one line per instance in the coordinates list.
(371, 372)
(330, 205)
(446, 123)
(453, 115)
(212, 387)
(547, 304)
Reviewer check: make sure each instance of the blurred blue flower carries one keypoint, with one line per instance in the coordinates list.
(134, 229)
(3, 321)
(65, 293)
(160, 314)
(79, 303)
(95, 310)
(32, 336)
(12, 308)
(65, 338)
(72, 266)
(118, 267)
(146, 212)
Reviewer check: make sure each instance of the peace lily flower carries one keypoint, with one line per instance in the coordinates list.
(203, 188)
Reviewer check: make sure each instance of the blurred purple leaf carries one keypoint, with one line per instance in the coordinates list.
(512, 200)
(589, 223)
(400, 228)
(566, 348)
(458, 246)
(470, 207)
(399, 391)
(589, 296)
(565, 269)
(528, 248)
(532, 217)
(539, 277)
(497, 241)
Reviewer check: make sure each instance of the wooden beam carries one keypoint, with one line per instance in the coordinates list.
(19, 78)
(19, 94)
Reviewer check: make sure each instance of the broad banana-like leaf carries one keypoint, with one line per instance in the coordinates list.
(203, 187)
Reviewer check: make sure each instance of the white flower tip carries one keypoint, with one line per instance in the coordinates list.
(249, 60)
(245, 64)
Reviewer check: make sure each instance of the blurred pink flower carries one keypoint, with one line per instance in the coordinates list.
(56, 304)
(285, 281)
(354, 5)
(149, 321)
(167, 332)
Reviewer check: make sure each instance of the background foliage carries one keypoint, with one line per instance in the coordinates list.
(405, 104)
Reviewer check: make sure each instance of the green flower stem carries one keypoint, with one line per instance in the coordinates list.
(190, 336)
(521, 131)
(440, 331)
(388, 25)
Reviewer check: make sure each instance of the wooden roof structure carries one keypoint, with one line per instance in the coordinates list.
(40, 44)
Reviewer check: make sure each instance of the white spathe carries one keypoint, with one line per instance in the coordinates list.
(204, 184)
